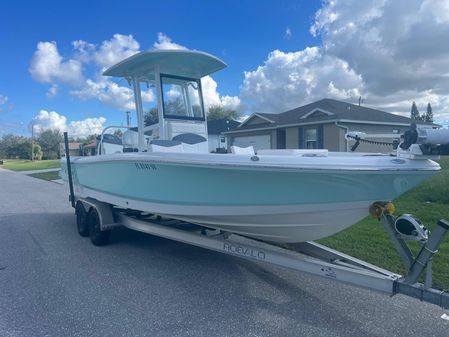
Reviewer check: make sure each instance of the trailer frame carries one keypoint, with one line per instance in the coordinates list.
(309, 257)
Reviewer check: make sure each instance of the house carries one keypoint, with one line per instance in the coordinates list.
(89, 149)
(319, 125)
(74, 148)
(215, 129)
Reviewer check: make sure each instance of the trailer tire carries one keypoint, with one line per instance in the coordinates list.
(81, 219)
(97, 236)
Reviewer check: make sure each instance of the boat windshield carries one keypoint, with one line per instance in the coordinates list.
(181, 98)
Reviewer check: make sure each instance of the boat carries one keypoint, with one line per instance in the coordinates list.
(272, 195)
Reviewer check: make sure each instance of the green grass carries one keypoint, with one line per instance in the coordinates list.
(28, 165)
(368, 240)
(54, 175)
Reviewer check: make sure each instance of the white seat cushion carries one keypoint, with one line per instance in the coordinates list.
(159, 148)
(243, 150)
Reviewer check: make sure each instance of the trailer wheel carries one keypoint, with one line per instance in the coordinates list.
(81, 219)
(97, 236)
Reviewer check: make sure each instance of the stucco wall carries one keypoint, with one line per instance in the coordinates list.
(274, 139)
(291, 138)
(331, 135)
(214, 142)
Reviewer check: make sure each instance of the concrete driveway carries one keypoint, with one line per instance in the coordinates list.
(55, 283)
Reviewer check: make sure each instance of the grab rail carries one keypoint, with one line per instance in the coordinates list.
(103, 132)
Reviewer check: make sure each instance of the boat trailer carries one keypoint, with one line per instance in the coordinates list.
(96, 219)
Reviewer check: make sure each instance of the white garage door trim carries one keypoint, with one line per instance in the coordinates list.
(259, 142)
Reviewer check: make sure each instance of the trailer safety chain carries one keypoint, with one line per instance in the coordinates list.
(359, 140)
(376, 142)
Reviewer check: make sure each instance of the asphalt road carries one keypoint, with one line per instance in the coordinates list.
(55, 283)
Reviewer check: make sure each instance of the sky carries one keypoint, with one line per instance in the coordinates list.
(280, 55)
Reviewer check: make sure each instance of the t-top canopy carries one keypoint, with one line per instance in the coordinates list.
(186, 63)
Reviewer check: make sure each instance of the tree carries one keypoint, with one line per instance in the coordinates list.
(151, 117)
(5, 142)
(218, 112)
(428, 117)
(37, 152)
(21, 150)
(414, 113)
(49, 140)
(12, 146)
(118, 133)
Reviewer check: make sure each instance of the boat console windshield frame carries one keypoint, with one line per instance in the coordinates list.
(176, 75)
(182, 98)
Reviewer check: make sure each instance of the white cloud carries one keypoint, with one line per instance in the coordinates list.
(108, 53)
(115, 50)
(212, 97)
(53, 91)
(288, 33)
(287, 80)
(107, 92)
(389, 52)
(3, 99)
(164, 42)
(208, 84)
(86, 127)
(48, 120)
(84, 50)
(395, 46)
(48, 66)
(111, 93)
(45, 120)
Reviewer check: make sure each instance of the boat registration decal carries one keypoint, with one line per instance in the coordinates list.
(145, 166)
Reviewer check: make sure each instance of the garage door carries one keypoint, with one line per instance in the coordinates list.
(258, 142)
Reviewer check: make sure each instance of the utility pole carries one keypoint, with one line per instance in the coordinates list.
(128, 118)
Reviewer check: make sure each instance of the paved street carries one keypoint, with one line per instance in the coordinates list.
(55, 283)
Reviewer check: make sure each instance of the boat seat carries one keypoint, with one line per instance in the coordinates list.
(130, 138)
(192, 143)
(130, 149)
(243, 150)
(161, 145)
(190, 138)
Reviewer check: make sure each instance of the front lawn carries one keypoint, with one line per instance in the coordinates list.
(52, 175)
(28, 165)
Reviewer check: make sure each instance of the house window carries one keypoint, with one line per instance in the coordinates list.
(311, 138)
(222, 139)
